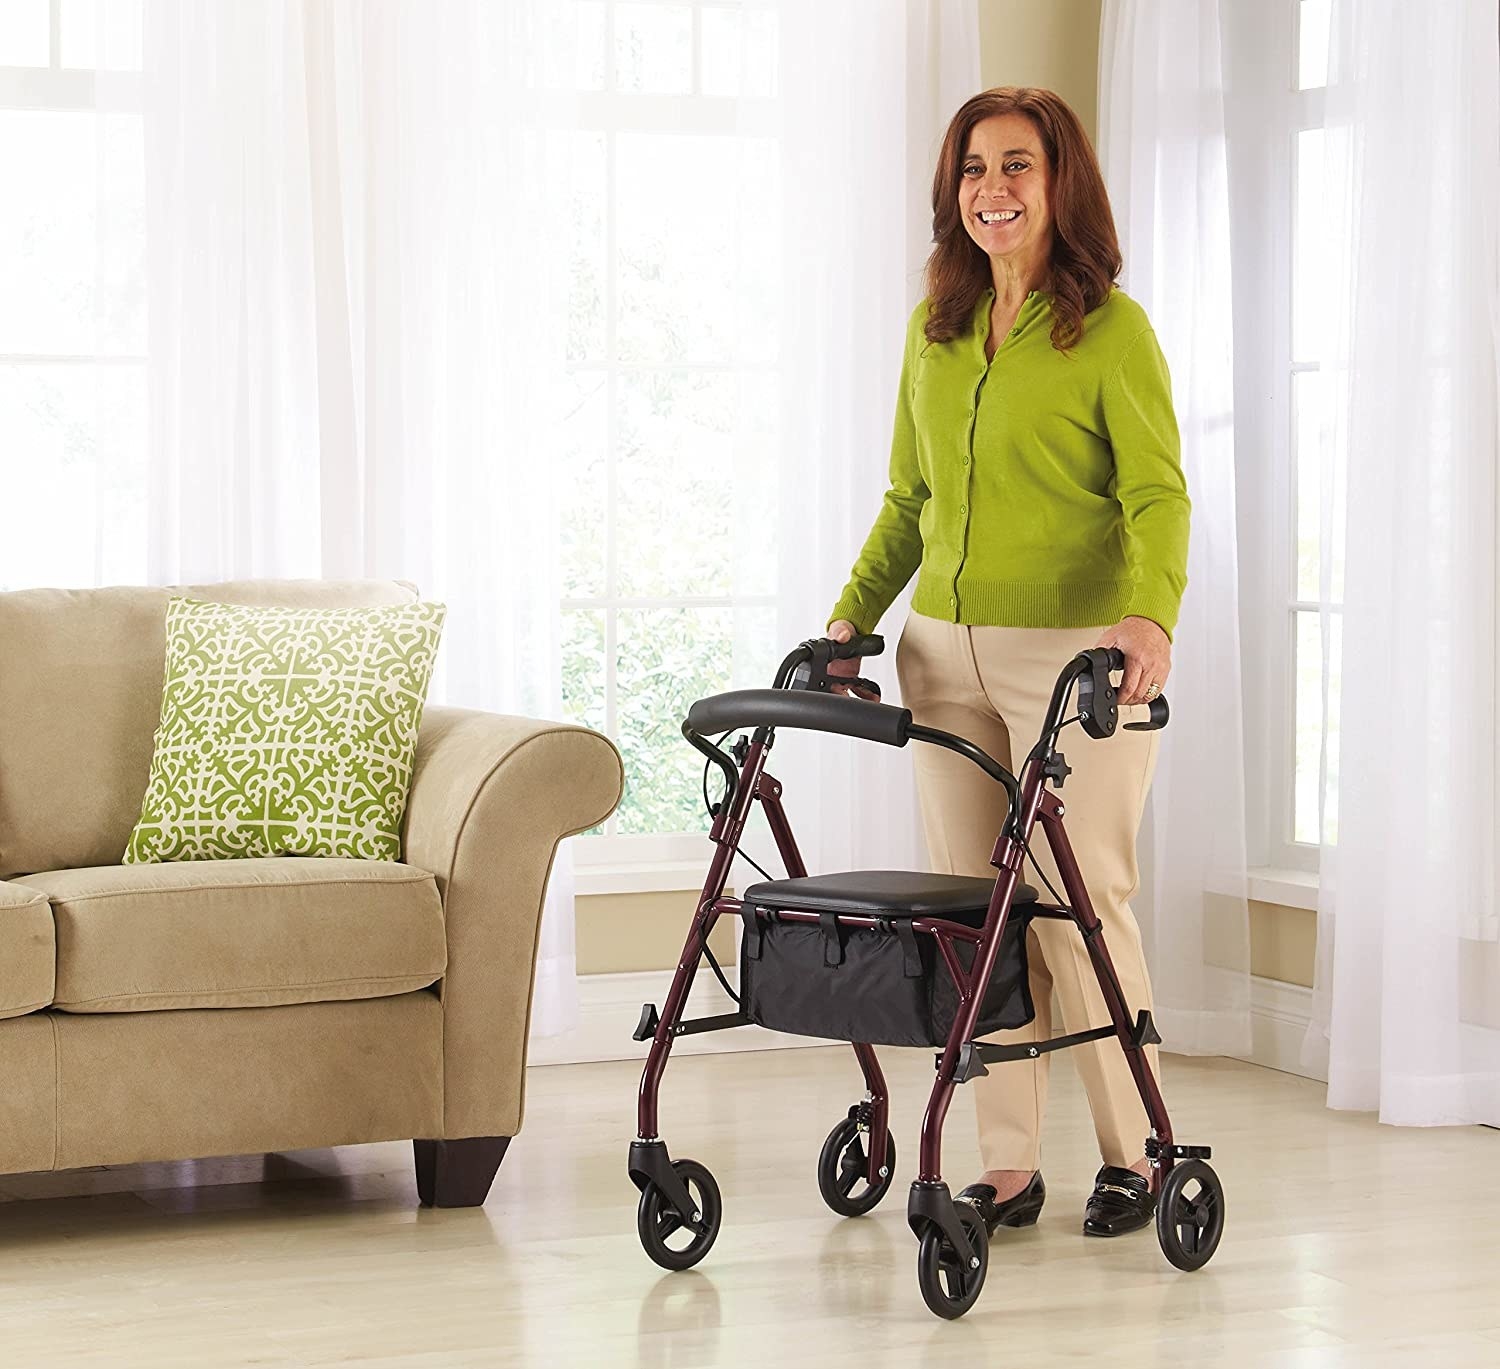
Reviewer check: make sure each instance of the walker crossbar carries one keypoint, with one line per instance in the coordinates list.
(991, 1053)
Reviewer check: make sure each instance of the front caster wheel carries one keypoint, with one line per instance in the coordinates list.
(950, 1283)
(661, 1228)
(843, 1168)
(1190, 1214)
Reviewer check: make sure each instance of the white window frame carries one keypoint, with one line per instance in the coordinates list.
(611, 862)
(1263, 188)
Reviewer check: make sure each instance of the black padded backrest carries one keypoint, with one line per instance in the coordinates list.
(848, 717)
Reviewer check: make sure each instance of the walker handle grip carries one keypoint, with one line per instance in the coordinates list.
(856, 647)
(810, 709)
(1160, 713)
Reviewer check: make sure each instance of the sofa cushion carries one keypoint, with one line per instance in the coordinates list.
(242, 933)
(286, 731)
(80, 697)
(28, 950)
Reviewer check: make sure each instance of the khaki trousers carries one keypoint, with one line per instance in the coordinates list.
(992, 685)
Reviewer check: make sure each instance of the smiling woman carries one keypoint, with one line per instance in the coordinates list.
(1036, 492)
(1020, 149)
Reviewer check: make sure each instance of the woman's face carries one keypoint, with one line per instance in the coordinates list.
(1002, 189)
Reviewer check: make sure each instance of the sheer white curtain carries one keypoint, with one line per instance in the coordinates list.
(354, 323)
(1162, 146)
(366, 220)
(1407, 1021)
(867, 90)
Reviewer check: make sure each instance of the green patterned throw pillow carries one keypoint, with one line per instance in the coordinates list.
(286, 731)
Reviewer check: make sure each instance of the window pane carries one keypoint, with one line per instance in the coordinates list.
(573, 45)
(690, 482)
(667, 659)
(584, 436)
(654, 48)
(1320, 490)
(584, 673)
(739, 52)
(584, 156)
(24, 34)
(1314, 270)
(584, 667)
(1335, 676)
(1310, 722)
(100, 35)
(676, 300)
(1312, 44)
(74, 470)
(1309, 399)
(72, 237)
(757, 650)
(1307, 394)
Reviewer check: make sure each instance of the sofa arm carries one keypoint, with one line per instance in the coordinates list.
(491, 796)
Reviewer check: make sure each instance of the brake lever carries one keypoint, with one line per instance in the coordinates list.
(1160, 713)
(853, 682)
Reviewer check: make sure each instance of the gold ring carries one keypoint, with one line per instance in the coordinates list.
(1152, 690)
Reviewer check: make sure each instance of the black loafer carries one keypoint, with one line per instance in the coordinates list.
(1121, 1202)
(1022, 1210)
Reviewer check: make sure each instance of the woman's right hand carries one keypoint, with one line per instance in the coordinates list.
(844, 631)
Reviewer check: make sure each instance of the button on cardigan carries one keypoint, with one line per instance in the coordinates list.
(1039, 489)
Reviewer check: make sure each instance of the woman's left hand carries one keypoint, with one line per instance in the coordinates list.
(1148, 657)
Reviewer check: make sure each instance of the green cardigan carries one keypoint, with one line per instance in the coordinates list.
(1040, 489)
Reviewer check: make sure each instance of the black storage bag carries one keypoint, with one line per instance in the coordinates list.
(872, 985)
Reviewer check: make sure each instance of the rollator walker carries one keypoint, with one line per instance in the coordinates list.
(897, 958)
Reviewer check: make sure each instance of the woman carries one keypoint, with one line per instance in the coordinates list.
(1037, 493)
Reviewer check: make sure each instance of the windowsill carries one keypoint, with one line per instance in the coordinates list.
(654, 877)
(1264, 883)
(1291, 888)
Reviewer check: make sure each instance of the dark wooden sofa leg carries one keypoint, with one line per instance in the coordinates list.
(457, 1173)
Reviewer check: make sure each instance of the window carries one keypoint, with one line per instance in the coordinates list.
(669, 134)
(72, 296)
(1289, 488)
(671, 397)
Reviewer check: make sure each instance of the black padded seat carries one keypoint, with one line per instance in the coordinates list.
(884, 893)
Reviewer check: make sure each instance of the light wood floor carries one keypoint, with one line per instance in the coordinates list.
(1347, 1244)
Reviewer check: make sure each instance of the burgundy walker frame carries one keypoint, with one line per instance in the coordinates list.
(962, 1058)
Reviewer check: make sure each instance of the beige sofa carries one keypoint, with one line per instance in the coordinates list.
(159, 1012)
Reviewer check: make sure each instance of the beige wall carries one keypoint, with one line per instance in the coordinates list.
(1479, 984)
(622, 932)
(1049, 43)
(1282, 942)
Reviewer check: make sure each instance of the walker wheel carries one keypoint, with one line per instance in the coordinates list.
(950, 1285)
(1190, 1214)
(842, 1169)
(657, 1222)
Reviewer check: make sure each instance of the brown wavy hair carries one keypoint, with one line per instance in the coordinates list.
(1085, 248)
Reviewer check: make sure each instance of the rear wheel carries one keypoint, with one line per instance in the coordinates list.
(843, 1170)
